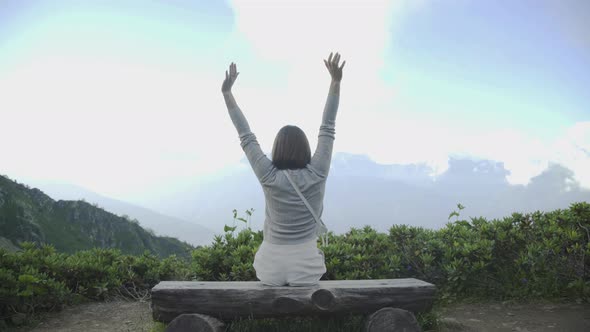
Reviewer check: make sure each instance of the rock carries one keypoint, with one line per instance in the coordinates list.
(391, 319)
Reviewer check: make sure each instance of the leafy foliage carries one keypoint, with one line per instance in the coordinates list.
(535, 255)
(521, 256)
(39, 278)
(230, 256)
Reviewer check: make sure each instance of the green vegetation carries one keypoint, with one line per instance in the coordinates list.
(524, 256)
(29, 215)
(521, 256)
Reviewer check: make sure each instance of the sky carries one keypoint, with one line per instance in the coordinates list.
(123, 97)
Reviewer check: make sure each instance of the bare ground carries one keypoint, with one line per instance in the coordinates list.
(538, 316)
(492, 316)
(115, 316)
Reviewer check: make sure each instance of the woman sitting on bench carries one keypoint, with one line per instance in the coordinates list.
(289, 254)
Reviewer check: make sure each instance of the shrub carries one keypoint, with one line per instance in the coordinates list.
(524, 255)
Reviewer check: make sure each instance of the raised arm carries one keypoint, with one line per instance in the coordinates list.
(323, 153)
(258, 160)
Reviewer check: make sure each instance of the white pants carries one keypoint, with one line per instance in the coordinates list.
(289, 264)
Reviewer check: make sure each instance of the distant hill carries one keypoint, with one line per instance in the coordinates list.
(362, 192)
(28, 214)
(161, 224)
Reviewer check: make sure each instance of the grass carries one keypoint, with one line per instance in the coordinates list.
(158, 327)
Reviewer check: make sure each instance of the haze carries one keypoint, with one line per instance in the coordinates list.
(123, 98)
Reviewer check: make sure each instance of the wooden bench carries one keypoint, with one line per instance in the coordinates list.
(204, 305)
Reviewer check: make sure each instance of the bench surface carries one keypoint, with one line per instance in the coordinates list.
(238, 285)
(243, 299)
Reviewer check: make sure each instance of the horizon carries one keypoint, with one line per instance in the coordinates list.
(478, 185)
(124, 99)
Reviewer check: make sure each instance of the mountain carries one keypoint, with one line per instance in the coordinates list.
(161, 224)
(27, 214)
(361, 192)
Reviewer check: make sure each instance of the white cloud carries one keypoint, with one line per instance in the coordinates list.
(122, 126)
(298, 35)
(371, 120)
(573, 151)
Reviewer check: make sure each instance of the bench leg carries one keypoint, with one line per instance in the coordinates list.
(195, 323)
(391, 319)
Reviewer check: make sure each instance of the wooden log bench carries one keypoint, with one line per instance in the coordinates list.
(203, 305)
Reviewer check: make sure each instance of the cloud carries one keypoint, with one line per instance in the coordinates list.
(527, 156)
(297, 35)
(573, 151)
(126, 122)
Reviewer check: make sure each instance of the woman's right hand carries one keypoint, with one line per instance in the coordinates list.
(332, 65)
(229, 78)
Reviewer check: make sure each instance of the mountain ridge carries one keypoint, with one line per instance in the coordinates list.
(362, 192)
(160, 223)
(28, 214)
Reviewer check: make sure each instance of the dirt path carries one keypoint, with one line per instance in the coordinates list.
(116, 316)
(124, 316)
(529, 317)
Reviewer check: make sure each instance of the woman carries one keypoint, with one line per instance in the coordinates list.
(289, 254)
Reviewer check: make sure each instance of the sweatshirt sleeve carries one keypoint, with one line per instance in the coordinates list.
(323, 153)
(261, 165)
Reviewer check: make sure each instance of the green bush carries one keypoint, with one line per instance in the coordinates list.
(230, 256)
(522, 256)
(39, 278)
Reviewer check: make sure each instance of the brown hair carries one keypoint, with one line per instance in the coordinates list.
(291, 149)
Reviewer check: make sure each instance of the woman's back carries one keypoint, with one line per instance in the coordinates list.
(288, 254)
(287, 219)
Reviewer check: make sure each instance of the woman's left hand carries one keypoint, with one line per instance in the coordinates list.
(333, 68)
(229, 78)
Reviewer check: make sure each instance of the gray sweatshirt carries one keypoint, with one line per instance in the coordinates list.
(287, 219)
